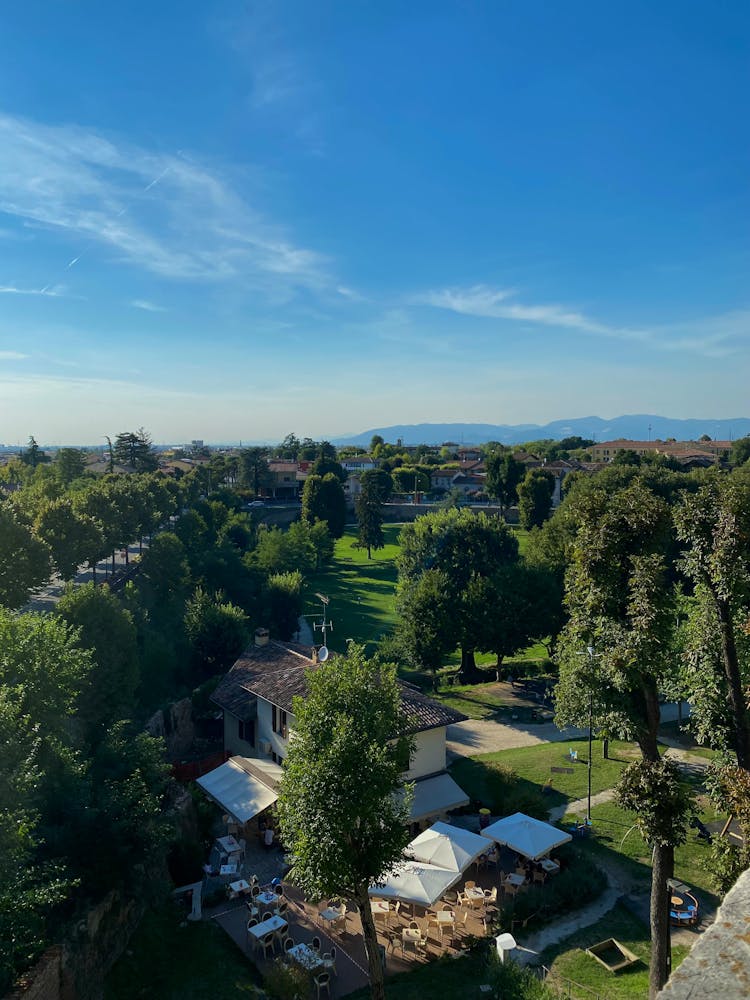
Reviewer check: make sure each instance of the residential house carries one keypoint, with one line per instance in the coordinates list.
(681, 450)
(283, 480)
(256, 698)
(359, 463)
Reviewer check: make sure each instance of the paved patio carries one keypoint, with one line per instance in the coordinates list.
(304, 923)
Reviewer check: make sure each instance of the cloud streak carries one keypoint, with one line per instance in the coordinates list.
(147, 306)
(714, 337)
(162, 213)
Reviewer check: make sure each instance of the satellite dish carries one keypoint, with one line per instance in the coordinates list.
(323, 654)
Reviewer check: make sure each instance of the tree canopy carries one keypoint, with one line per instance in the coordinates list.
(342, 804)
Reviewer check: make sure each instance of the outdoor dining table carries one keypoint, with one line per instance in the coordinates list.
(240, 886)
(267, 899)
(445, 917)
(331, 914)
(306, 956)
(274, 923)
(410, 935)
(228, 870)
(475, 894)
(549, 866)
(228, 844)
(380, 906)
(514, 879)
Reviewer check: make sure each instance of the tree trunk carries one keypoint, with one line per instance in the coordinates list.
(734, 682)
(470, 673)
(661, 957)
(369, 553)
(372, 947)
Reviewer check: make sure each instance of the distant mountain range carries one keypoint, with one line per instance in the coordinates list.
(638, 427)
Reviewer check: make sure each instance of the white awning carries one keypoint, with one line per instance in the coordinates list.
(236, 790)
(413, 882)
(447, 846)
(436, 795)
(525, 835)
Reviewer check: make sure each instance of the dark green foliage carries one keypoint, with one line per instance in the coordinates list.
(369, 509)
(70, 463)
(107, 629)
(504, 473)
(133, 449)
(24, 560)
(218, 632)
(73, 538)
(535, 498)
(323, 500)
(253, 469)
(284, 603)
(164, 570)
(740, 452)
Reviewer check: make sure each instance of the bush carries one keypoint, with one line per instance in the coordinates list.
(579, 883)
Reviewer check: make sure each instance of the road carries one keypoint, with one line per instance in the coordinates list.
(477, 736)
(47, 597)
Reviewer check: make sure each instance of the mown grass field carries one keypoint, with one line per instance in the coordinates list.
(362, 591)
(569, 958)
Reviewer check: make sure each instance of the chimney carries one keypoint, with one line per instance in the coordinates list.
(261, 637)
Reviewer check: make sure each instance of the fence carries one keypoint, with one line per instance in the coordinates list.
(192, 769)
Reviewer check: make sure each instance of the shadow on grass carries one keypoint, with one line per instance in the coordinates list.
(502, 791)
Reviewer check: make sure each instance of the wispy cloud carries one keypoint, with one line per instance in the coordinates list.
(50, 291)
(13, 356)
(714, 337)
(165, 213)
(147, 306)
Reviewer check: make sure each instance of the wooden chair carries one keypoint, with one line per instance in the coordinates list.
(539, 878)
(490, 895)
(282, 907)
(433, 924)
(315, 943)
(470, 885)
(288, 943)
(414, 926)
(267, 915)
(510, 890)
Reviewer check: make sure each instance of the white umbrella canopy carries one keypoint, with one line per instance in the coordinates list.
(447, 846)
(415, 882)
(530, 837)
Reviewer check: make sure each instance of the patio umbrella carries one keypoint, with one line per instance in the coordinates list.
(447, 847)
(417, 883)
(530, 837)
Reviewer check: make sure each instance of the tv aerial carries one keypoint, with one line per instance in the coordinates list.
(323, 651)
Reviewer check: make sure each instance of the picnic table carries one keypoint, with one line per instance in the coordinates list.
(305, 956)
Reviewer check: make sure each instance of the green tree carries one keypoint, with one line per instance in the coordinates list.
(105, 628)
(72, 538)
(254, 473)
(535, 498)
(24, 560)
(464, 546)
(70, 464)
(33, 454)
(323, 500)
(347, 827)
(621, 603)
(165, 572)
(218, 632)
(740, 451)
(134, 449)
(284, 602)
(369, 508)
(504, 473)
(663, 807)
(714, 527)
(626, 456)
(426, 630)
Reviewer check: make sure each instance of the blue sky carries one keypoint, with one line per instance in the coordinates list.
(233, 220)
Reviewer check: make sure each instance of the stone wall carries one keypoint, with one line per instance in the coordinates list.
(44, 981)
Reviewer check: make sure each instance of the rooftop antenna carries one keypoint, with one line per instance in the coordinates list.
(323, 626)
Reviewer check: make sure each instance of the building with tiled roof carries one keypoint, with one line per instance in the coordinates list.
(256, 697)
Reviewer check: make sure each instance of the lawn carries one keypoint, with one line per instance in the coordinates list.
(686, 740)
(568, 958)
(362, 591)
(512, 780)
(197, 961)
(448, 978)
(614, 831)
